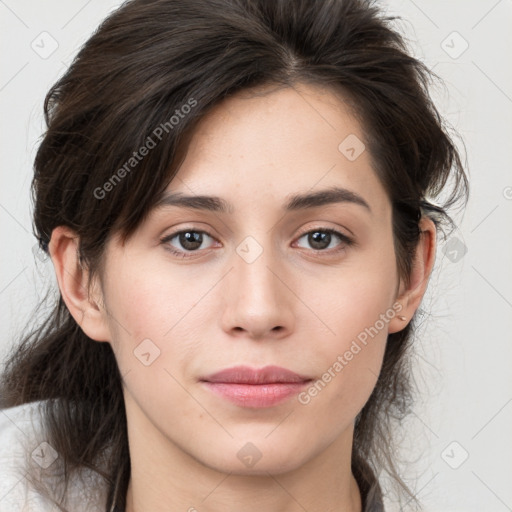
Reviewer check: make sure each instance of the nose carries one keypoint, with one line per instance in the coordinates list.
(257, 298)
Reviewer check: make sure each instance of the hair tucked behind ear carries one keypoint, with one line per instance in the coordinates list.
(144, 63)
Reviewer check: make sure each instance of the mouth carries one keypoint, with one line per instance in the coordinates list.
(256, 388)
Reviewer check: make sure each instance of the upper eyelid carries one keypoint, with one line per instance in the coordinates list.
(327, 229)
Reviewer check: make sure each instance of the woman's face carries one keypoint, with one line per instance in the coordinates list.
(298, 271)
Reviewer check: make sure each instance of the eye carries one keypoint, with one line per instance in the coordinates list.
(325, 238)
(185, 241)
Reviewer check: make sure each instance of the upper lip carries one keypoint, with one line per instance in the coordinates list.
(247, 375)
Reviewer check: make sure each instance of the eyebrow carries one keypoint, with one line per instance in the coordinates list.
(296, 202)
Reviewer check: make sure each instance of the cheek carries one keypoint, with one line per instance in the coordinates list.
(351, 297)
(355, 307)
(349, 363)
(152, 319)
(155, 316)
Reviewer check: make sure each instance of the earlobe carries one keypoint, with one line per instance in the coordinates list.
(73, 279)
(410, 298)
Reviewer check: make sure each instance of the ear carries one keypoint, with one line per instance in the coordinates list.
(410, 296)
(73, 279)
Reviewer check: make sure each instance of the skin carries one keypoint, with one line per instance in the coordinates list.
(293, 306)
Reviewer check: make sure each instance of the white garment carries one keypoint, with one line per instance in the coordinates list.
(23, 451)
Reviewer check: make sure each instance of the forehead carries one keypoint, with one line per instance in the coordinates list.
(276, 143)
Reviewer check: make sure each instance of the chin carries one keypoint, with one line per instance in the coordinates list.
(256, 458)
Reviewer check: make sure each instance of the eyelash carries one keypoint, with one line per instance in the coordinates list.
(345, 241)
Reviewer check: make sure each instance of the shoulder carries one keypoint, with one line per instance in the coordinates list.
(21, 448)
(27, 456)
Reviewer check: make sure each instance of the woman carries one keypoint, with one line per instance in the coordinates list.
(236, 196)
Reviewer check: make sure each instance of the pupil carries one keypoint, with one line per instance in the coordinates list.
(191, 240)
(318, 240)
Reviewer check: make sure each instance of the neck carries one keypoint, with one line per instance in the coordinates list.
(274, 493)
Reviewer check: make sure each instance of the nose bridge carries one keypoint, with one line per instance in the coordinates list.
(256, 299)
(252, 274)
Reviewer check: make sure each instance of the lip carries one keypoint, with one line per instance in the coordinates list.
(256, 388)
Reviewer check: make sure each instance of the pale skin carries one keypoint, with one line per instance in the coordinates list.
(295, 306)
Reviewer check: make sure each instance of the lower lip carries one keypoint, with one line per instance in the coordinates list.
(256, 395)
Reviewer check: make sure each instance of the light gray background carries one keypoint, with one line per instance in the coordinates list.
(463, 359)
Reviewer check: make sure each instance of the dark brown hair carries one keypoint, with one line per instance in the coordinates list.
(144, 63)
